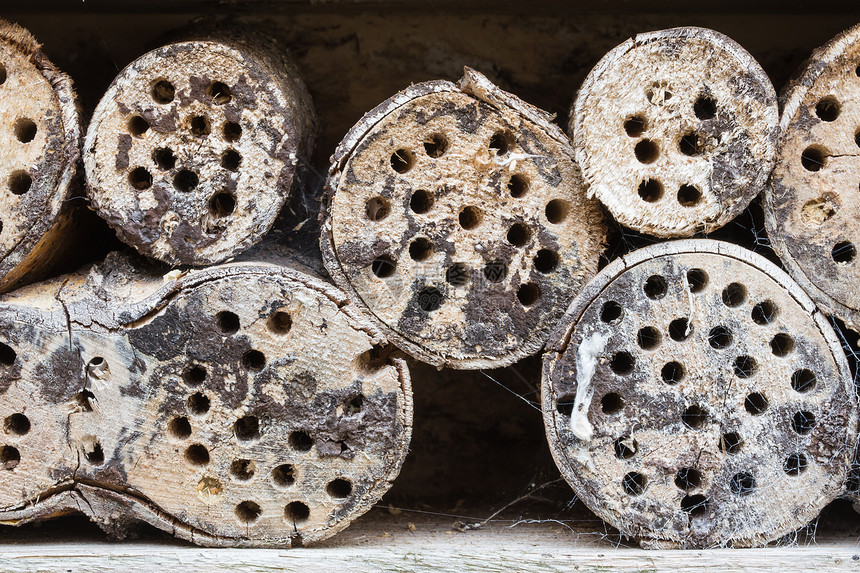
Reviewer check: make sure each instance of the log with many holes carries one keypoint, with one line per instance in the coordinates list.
(693, 396)
(244, 405)
(192, 150)
(675, 131)
(40, 142)
(456, 218)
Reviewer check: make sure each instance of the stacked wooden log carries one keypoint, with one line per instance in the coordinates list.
(693, 394)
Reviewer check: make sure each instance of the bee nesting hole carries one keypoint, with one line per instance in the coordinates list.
(474, 225)
(160, 129)
(687, 132)
(689, 397)
(810, 209)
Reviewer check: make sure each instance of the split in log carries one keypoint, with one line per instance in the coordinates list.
(676, 131)
(812, 204)
(192, 150)
(456, 218)
(243, 405)
(694, 397)
(40, 156)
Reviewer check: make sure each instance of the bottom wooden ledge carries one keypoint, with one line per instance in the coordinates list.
(384, 540)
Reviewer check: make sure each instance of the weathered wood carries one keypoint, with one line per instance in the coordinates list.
(40, 144)
(193, 148)
(456, 217)
(676, 131)
(243, 405)
(693, 397)
(812, 204)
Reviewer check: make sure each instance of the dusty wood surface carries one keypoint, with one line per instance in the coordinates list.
(456, 217)
(40, 139)
(193, 148)
(246, 404)
(676, 131)
(812, 203)
(693, 396)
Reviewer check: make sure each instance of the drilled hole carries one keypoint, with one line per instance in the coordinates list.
(198, 403)
(495, 271)
(228, 322)
(647, 151)
(611, 403)
(470, 217)
(635, 126)
(803, 422)
(734, 295)
(633, 483)
(84, 400)
(2, 74)
(301, 441)
(650, 190)
(230, 160)
(517, 186)
(742, 483)
(782, 344)
(164, 158)
(436, 145)
(402, 160)
(625, 447)
(280, 322)
(421, 201)
(755, 404)
(519, 235)
(353, 405)
(813, 158)
(254, 360)
(803, 380)
(163, 92)
(672, 373)
(457, 275)
(689, 196)
(730, 443)
(197, 454)
(828, 109)
(17, 424)
(720, 337)
(296, 512)
(528, 294)
(764, 312)
(546, 261)
(7, 355)
(697, 279)
(611, 312)
(383, 266)
(680, 329)
(248, 512)
(232, 131)
(186, 180)
(843, 252)
(857, 138)
(705, 108)
(429, 299)
(648, 338)
(795, 464)
(622, 363)
(695, 505)
(220, 93)
(25, 130)
(339, 488)
(179, 427)
(222, 204)
(564, 406)
(557, 211)
(689, 144)
(284, 475)
(694, 417)
(420, 249)
(247, 428)
(655, 287)
(137, 126)
(140, 178)
(501, 142)
(745, 366)
(377, 208)
(688, 478)
(243, 470)
(94, 454)
(9, 457)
